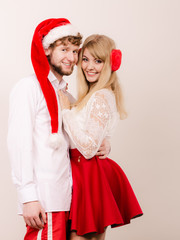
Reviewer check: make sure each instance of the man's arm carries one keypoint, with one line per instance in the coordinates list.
(34, 215)
(104, 149)
(22, 112)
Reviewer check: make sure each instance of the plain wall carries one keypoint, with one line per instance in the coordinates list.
(147, 144)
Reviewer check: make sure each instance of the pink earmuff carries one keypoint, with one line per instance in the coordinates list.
(115, 59)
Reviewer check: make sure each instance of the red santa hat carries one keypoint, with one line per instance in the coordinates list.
(46, 33)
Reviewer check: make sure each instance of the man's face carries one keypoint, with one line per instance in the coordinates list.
(63, 57)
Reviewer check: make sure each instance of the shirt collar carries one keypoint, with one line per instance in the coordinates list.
(59, 85)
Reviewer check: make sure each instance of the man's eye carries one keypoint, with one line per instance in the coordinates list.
(63, 50)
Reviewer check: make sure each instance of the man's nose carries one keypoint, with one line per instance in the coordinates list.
(71, 56)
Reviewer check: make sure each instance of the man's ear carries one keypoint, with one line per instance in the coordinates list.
(47, 51)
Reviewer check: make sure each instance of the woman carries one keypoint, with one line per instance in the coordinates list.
(102, 195)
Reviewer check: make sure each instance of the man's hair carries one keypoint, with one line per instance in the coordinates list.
(75, 40)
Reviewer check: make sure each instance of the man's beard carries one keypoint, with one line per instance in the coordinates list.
(59, 69)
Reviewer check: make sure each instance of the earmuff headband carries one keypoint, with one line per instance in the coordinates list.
(115, 59)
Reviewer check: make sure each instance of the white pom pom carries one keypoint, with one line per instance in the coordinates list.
(55, 140)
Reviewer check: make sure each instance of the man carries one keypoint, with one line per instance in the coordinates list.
(38, 146)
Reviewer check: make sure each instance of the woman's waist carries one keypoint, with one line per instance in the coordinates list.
(77, 156)
(74, 152)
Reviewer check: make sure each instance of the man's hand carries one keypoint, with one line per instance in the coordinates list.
(104, 149)
(34, 215)
(63, 100)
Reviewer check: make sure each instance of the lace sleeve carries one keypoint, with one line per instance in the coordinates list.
(88, 137)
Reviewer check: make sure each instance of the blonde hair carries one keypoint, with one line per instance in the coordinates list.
(100, 47)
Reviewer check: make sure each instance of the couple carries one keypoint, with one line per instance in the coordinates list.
(45, 122)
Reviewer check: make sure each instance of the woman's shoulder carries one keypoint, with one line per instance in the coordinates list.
(105, 95)
(103, 98)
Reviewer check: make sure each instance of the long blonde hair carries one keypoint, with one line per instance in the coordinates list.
(100, 47)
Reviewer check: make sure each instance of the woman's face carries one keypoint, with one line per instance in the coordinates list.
(91, 66)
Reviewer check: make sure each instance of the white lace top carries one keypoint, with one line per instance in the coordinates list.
(88, 127)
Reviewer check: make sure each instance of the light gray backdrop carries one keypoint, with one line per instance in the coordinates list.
(146, 145)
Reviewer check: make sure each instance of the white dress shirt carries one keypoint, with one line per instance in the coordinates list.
(38, 171)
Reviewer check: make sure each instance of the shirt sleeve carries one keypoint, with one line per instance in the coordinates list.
(22, 112)
(88, 138)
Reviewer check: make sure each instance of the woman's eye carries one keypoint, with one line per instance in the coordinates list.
(98, 61)
(63, 50)
(85, 59)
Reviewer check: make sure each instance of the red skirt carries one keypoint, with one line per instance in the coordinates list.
(102, 195)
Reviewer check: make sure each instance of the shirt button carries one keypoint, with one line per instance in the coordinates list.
(79, 158)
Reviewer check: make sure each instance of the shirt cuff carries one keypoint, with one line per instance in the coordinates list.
(27, 194)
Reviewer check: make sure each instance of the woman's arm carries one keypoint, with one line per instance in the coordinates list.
(87, 138)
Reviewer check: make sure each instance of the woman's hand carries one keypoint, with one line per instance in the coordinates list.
(64, 101)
